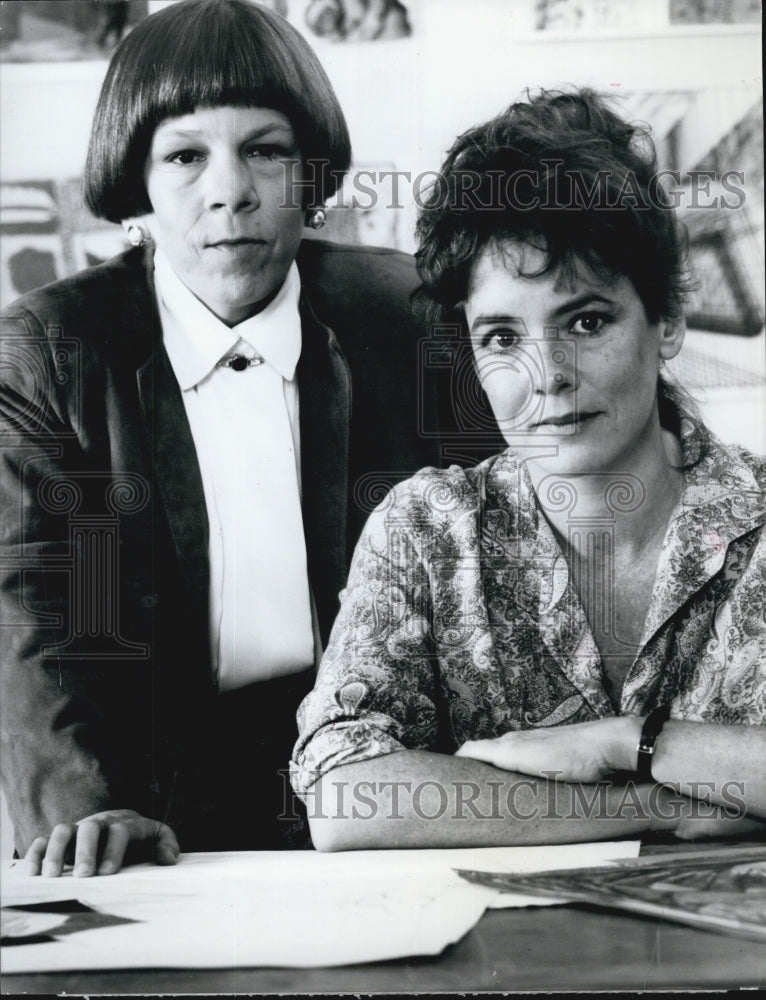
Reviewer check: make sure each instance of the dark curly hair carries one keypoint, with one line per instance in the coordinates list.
(565, 173)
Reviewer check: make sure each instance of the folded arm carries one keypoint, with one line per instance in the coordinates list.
(421, 799)
(723, 765)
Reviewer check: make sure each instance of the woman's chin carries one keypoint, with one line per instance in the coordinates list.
(574, 459)
(233, 298)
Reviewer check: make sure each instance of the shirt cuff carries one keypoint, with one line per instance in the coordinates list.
(335, 744)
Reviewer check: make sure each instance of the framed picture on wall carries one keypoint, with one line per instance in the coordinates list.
(610, 15)
(49, 30)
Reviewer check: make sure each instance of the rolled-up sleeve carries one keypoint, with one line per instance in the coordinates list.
(376, 687)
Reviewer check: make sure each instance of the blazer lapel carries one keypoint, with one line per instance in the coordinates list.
(173, 455)
(324, 382)
(176, 471)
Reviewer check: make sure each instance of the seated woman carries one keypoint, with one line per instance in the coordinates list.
(516, 637)
(186, 434)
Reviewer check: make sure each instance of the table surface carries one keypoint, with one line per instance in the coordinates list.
(536, 948)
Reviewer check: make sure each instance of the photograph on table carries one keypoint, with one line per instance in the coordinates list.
(719, 891)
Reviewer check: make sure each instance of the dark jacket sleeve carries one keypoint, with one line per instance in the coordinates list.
(49, 773)
(67, 686)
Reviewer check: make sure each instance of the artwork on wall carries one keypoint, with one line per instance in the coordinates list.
(46, 234)
(359, 216)
(726, 243)
(346, 20)
(51, 31)
(715, 11)
(358, 20)
(596, 15)
(722, 301)
(55, 31)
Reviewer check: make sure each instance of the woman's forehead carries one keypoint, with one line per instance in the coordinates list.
(227, 117)
(507, 262)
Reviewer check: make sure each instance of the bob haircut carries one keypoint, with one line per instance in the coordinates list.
(209, 53)
(564, 173)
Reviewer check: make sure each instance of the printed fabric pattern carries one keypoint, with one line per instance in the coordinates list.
(460, 620)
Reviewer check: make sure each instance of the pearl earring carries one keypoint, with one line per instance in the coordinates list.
(316, 218)
(136, 235)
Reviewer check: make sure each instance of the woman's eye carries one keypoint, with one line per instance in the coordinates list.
(501, 340)
(588, 324)
(268, 152)
(185, 156)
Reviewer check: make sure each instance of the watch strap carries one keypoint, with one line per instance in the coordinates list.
(651, 729)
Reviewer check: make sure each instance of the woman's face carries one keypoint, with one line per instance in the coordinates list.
(224, 213)
(569, 365)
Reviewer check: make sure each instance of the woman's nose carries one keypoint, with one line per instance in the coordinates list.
(558, 366)
(230, 185)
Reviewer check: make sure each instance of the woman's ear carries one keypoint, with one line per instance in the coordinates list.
(672, 333)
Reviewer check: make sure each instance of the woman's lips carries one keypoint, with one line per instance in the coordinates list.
(239, 241)
(239, 252)
(567, 420)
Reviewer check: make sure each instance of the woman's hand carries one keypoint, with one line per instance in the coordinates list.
(98, 844)
(584, 751)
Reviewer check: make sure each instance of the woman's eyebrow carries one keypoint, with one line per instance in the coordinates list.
(495, 318)
(587, 298)
(171, 132)
(258, 133)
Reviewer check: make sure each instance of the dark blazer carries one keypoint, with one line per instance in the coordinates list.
(106, 678)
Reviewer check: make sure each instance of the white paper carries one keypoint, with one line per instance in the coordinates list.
(297, 909)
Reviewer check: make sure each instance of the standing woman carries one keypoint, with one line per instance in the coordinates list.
(186, 434)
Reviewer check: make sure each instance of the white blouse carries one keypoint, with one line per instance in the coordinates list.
(246, 431)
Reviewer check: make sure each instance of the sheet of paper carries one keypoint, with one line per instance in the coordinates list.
(264, 909)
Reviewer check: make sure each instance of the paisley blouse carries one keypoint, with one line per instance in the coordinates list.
(460, 620)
